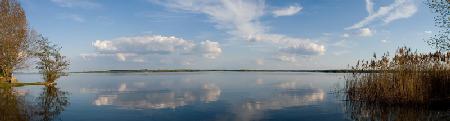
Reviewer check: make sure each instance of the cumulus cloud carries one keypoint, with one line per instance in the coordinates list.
(210, 49)
(289, 11)
(77, 3)
(155, 44)
(287, 58)
(398, 10)
(241, 18)
(304, 49)
(138, 46)
(365, 32)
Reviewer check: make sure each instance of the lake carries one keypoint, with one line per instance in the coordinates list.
(195, 96)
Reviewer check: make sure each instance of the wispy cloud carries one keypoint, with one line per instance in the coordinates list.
(369, 7)
(346, 35)
(287, 58)
(87, 4)
(241, 18)
(365, 32)
(398, 10)
(289, 11)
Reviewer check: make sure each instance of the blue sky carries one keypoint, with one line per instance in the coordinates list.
(228, 34)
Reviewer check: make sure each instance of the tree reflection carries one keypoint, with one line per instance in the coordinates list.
(15, 106)
(361, 111)
(50, 103)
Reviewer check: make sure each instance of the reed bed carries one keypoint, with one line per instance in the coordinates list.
(408, 77)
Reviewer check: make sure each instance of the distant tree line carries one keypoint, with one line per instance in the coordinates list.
(19, 45)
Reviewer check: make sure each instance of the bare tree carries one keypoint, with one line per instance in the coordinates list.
(441, 40)
(14, 39)
(51, 63)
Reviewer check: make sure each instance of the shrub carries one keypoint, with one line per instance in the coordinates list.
(51, 63)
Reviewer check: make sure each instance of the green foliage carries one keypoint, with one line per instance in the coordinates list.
(51, 63)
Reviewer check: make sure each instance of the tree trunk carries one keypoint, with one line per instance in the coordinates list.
(7, 73)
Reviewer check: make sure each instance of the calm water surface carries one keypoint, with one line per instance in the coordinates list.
(193, 96)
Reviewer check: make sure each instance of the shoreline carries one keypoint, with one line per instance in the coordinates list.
(214, 70)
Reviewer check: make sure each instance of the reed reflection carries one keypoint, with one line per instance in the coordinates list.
(17, 105)
(361, 111)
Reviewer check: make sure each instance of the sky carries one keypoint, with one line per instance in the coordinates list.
(228, 34)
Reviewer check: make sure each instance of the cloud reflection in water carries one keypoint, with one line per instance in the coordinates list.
(254, 109)
(157, 99)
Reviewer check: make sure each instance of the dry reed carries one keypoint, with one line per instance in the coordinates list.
(408, 77)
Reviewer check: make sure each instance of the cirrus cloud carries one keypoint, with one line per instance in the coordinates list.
(400, 9)
(289, 11)
(87, 4)
(241, 19)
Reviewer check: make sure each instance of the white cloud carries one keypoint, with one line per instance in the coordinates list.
(346, 35)
(241, 18)
(121, 57)
(384, 41)
(404, 11)
(88, 56)
(398, 10)
(139, 46)
(369, 6)
(87, 4)
(210, 49)
(289, 11)
(104, 45)
(304, 49)
(428, 32)
(365, 32)
(124, 56)
(155, 44)
(287, 58)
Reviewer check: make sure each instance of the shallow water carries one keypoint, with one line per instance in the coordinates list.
(190, 96)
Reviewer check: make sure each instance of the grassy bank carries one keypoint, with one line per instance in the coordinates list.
(406, 78)
(21, 84)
